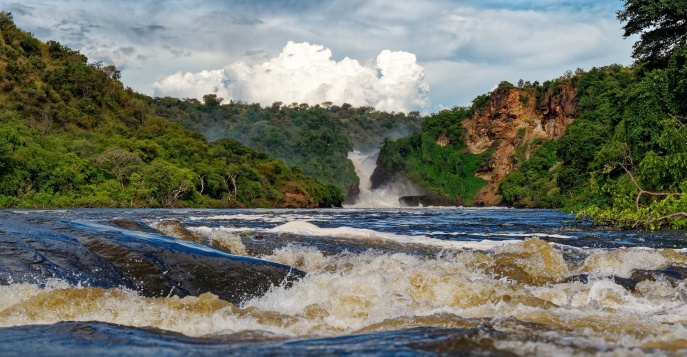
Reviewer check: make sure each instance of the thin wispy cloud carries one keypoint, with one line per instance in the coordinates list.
(463, 47)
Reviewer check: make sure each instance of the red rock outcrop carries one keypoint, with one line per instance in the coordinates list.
(513, 124)
(294, 196)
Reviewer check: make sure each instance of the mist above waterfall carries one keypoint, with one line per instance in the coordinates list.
(384, 196)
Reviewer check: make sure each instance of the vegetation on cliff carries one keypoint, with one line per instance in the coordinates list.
(72, 136)
(464, 153)
(557, 173)
(437, 158)
(316, 138)
(624, 160)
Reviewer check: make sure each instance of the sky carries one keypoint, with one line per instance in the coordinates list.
(394, 55)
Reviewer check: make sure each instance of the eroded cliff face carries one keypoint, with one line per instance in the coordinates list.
(513, 124)
(294, 196)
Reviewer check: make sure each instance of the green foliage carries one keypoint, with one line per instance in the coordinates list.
(623, 161)
(505, 85)
(677, 80)
(448, 170)
(447, 122)
(577, 149)
(662, 26)
(534, 184)
(602, 94)
(72, 136)
(317, 139)
(480, 102)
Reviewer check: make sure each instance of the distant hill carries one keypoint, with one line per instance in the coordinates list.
(71, 135)
(316, 138)
(609, 143)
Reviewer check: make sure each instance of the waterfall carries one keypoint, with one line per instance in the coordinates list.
(385, 196)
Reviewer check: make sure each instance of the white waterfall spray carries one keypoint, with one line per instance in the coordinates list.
(382, 197)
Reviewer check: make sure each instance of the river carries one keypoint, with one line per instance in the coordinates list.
(422, 281)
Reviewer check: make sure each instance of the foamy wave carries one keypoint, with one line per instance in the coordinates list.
(204, 230)
(621, 262)
(505, 234)
(306, 228)
(226, 239)
(348, 292)
(270, 217)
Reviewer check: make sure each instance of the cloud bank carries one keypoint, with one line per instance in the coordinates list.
(306, 73)
(463, 46)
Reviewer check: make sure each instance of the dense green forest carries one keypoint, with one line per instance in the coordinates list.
(72, 136)
(623, 160)
(447, 170)
(316, 138)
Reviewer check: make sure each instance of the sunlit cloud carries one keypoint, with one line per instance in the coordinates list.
(495, 39)
(305, 73)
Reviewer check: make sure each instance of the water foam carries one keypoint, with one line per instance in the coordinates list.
(383, 197)
(349, 292)
(226, 239)
(621, 262)
(307, 228)
(505, 234)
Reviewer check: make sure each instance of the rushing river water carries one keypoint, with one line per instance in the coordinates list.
(336, 282)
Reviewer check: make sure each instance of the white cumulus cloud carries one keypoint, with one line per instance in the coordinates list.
(306, 73)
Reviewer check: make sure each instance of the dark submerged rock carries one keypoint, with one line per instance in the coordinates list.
(267, 243)
(428, 200)
(628, 284)
(107, 255)
(672, 274)
(132, 225)
(175, 229)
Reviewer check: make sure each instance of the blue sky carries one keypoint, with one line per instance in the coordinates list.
(395, 54)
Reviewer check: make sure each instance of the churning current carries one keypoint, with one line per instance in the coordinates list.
(338, 282)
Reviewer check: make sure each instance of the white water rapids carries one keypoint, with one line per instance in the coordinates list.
(520, 280)
(382, 197)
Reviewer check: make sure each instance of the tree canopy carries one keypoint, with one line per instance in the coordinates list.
(316, 138)
(662, 26)
(71, 135)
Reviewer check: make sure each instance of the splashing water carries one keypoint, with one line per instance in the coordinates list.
(383, 197)
(413, 281)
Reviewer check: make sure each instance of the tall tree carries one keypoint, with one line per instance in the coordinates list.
(662, 26)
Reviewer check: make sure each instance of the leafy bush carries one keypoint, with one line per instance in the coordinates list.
(72, 136)
(448, 170)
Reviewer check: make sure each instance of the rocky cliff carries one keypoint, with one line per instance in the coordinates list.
(512, 124)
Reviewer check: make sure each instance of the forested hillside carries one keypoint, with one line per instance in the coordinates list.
(316, 138)
(72, 136)
(621, 161)
(624, 159)
(436, 158)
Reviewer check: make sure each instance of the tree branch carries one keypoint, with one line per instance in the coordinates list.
(649, 220)
(643, 191)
